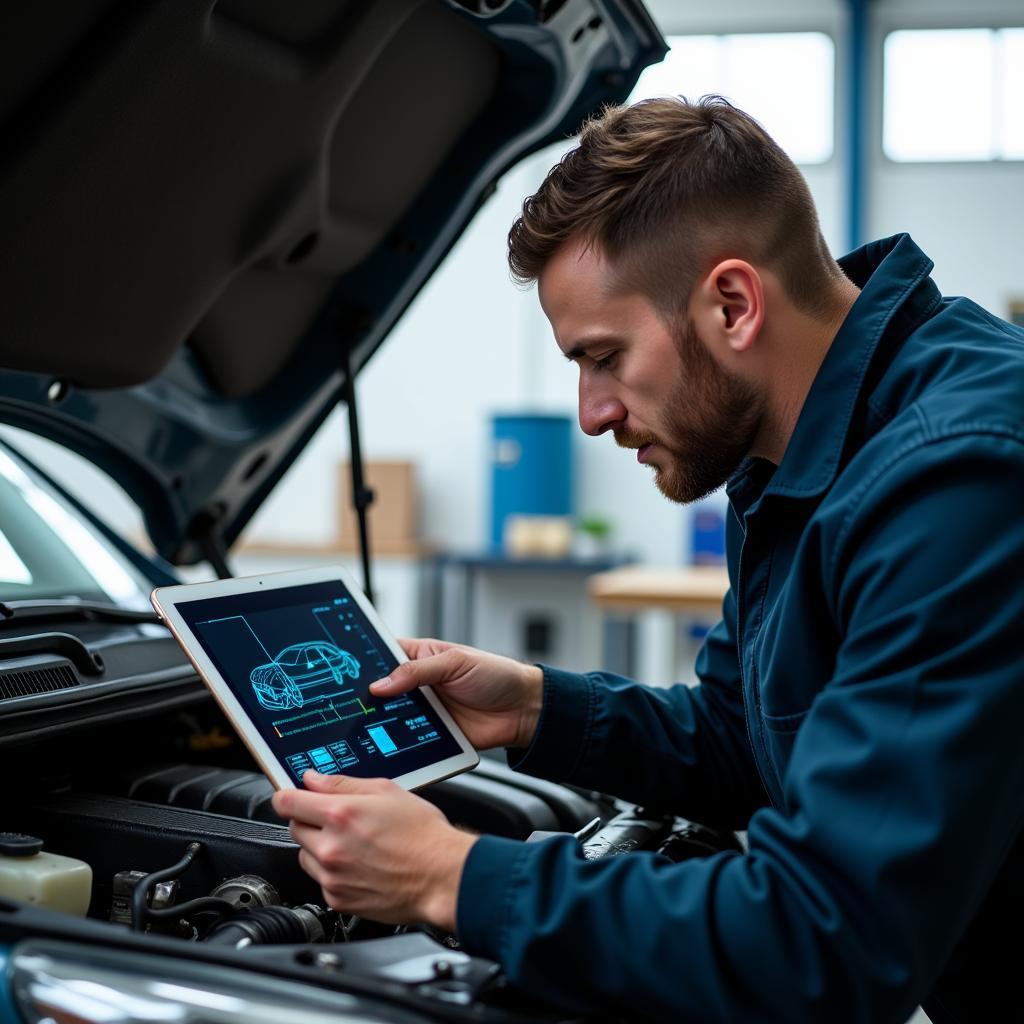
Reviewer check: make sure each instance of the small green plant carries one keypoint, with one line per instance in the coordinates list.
(594, 526)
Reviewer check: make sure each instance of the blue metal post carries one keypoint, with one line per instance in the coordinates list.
(856, 139)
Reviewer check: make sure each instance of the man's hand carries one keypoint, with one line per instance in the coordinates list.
(496, 701)
(375, 849)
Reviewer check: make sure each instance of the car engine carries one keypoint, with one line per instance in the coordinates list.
(191, 851)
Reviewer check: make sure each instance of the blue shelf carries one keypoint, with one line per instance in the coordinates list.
(490, 560)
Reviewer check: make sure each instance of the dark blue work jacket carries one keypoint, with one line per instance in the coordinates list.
(860, 712)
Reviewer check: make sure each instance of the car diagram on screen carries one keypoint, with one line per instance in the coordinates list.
(303, 674)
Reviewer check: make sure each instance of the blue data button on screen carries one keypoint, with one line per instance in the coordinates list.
(379, 735)
(321, 758)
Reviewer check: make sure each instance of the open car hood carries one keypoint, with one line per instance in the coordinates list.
(207, 203)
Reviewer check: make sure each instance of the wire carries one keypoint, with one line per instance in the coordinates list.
(142, 912)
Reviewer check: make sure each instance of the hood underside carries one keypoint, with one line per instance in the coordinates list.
(208, 203)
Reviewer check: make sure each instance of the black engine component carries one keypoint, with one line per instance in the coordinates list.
(260, 919)
(414, 960)
(627, 832)
(246, 892)
(675, 838)
(114, 833)
(179, 915)
(491, 799)
(690, 839)
(163, 894)
(276, 926)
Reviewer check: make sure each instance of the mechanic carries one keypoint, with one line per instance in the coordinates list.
(860, 703)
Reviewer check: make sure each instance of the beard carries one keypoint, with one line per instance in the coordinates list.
(709, 427)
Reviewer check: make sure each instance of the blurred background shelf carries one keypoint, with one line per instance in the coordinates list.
(534, 609)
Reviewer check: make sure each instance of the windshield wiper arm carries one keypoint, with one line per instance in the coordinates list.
(91, 611)
(64, 644)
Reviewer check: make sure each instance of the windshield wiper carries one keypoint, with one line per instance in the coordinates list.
(15, 612)
(64, 644)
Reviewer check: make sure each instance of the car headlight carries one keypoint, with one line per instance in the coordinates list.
(65, 983)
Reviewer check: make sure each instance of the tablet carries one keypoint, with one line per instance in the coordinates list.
(289, 657)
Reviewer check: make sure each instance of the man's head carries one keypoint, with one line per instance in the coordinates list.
(658, 242)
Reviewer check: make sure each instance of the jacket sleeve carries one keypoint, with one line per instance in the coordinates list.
(902, 797)
(682, 749)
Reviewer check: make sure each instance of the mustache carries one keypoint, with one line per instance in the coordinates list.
(629, 439)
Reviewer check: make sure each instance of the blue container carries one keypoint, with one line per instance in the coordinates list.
(531, 469)
(708, 534)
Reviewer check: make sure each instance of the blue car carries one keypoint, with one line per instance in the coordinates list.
(303, 674)
(214, 213)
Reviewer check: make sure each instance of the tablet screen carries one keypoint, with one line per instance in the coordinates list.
(300, 661)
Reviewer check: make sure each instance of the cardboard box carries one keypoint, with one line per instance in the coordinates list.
(393, 517)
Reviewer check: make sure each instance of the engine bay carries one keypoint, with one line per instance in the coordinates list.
(177, 827)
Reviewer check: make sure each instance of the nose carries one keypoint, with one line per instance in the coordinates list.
(600, 409)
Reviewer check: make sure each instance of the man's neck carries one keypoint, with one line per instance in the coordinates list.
(800, 347)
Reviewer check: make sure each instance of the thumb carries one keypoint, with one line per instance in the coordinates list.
(318, 783)
(432, 671)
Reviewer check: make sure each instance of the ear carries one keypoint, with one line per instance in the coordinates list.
(729, 304)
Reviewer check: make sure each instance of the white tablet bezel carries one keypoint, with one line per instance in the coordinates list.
(165, 601)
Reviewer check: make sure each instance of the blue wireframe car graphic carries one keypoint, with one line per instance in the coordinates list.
(302, 674)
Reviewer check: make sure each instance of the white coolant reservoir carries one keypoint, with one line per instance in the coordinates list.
(45, 879)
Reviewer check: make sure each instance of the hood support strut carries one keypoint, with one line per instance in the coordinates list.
(362, 496)
(215, 552)
(212, 543)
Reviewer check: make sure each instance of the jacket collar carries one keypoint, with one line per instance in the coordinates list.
(896, 296)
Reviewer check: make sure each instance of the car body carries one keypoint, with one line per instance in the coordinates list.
(215, 212)
(302, 674)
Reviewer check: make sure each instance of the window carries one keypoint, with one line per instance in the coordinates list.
(12, 568)
(784, 79)
(48, 551)
(954, 94)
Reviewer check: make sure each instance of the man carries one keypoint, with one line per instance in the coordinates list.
(862, 699)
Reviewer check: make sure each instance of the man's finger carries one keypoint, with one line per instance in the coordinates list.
(422, 647)
(431, 671)
(305, 835)
(313, 808)
(318, 783)
(297, 805)
(313, 868)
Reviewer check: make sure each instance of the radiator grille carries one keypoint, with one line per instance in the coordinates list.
(42, 680)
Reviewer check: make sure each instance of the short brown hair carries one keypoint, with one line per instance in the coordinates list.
(666, 188)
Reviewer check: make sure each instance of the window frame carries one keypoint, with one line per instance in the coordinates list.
(943, 21)
(776, 30)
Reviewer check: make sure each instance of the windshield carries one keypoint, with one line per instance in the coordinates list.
(48, 551)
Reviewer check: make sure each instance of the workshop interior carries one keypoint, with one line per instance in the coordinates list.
(257, 316)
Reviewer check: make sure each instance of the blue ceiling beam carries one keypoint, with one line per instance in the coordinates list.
(856, 121)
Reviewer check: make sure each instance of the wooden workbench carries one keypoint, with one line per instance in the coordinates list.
(638, 588)
(655, 599)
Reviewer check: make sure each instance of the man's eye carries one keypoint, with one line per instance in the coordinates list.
(605, 362)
